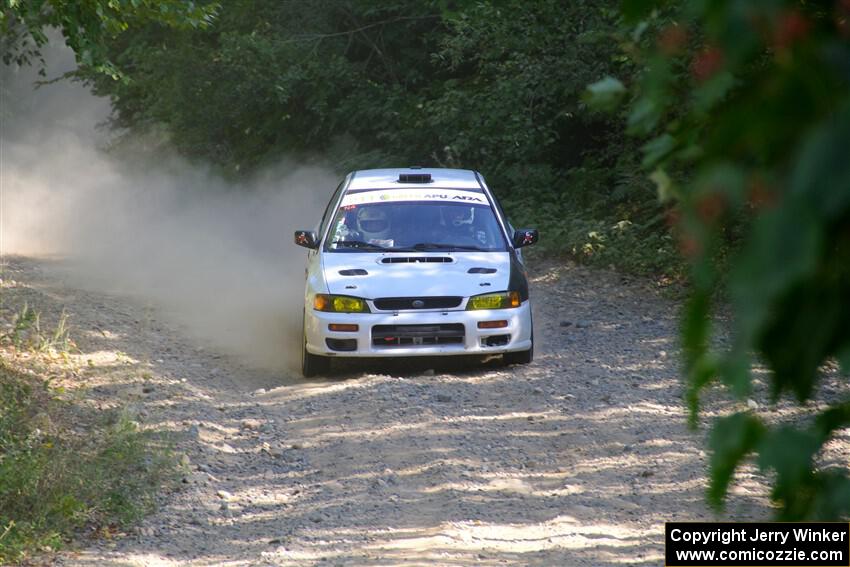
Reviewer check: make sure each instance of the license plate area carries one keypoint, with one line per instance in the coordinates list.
(389, 336)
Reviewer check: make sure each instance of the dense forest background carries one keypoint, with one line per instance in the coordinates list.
(494, 87)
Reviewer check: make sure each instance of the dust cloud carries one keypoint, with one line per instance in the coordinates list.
(214, 256)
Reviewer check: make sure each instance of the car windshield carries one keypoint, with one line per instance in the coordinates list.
(415, 226)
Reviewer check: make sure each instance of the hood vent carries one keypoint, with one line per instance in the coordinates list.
(481, 271)
(354, 272)
(416, 259)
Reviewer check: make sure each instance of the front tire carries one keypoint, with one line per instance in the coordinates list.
(312, 364)
(520, 357)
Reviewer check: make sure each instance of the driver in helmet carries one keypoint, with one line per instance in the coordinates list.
(373, 224)
(457, 216)
(457, 223)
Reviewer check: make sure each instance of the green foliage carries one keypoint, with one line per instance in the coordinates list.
(732, 438)
(274, 78)
(599, 214)
(88, 25)
(63, 470)
(495, 87)
(485, 86)
(746, 113)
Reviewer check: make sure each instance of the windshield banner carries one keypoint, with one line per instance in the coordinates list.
(394, 195)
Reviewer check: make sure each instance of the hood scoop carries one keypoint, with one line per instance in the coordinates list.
(354, 272)
(481, 271)
(416, 259)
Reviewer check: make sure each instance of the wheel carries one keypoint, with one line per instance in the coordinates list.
(522, 356)
(312, 364)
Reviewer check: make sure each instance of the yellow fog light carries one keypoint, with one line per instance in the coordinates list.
(339, 304)
(502, 300)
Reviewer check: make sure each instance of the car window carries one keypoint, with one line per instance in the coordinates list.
(505, 218)
(326, 215)
(382, 221)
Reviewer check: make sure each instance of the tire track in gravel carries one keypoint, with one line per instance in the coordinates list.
(576, 459)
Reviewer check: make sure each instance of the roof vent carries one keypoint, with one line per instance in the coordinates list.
(414, 178)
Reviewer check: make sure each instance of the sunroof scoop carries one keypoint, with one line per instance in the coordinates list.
(414, 178)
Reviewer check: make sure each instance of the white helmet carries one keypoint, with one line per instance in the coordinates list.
(457, 215)
(373, 223)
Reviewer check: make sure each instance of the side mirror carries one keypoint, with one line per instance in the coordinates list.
(307, 239)
(525, 237)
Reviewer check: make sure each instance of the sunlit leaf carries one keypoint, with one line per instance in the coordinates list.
(605, 95)
(664, 186)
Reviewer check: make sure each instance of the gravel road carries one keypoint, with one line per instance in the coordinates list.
(576, 459)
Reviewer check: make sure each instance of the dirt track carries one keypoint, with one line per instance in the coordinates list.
(577, 459)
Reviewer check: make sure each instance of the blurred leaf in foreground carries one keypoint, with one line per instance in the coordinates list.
(748, 114)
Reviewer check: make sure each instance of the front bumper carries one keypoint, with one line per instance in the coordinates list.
(516, 336)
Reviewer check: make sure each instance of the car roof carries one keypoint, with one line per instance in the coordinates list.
(388, 179)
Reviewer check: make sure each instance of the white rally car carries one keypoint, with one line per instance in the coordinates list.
(414, 262)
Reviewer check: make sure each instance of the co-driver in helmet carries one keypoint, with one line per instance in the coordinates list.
(457, 224)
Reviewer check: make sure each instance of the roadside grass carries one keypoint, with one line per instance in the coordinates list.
(26, 332)
(67, 470)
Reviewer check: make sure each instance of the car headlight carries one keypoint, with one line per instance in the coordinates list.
(339, 304)
(501, 300)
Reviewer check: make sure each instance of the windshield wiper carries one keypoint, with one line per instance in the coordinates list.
(357, 244)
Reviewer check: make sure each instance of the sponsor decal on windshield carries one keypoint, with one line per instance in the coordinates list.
(445, 195)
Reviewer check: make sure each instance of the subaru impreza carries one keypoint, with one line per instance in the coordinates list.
(414, 262)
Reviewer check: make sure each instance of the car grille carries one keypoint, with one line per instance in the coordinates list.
(417, 335)
(401, 303)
